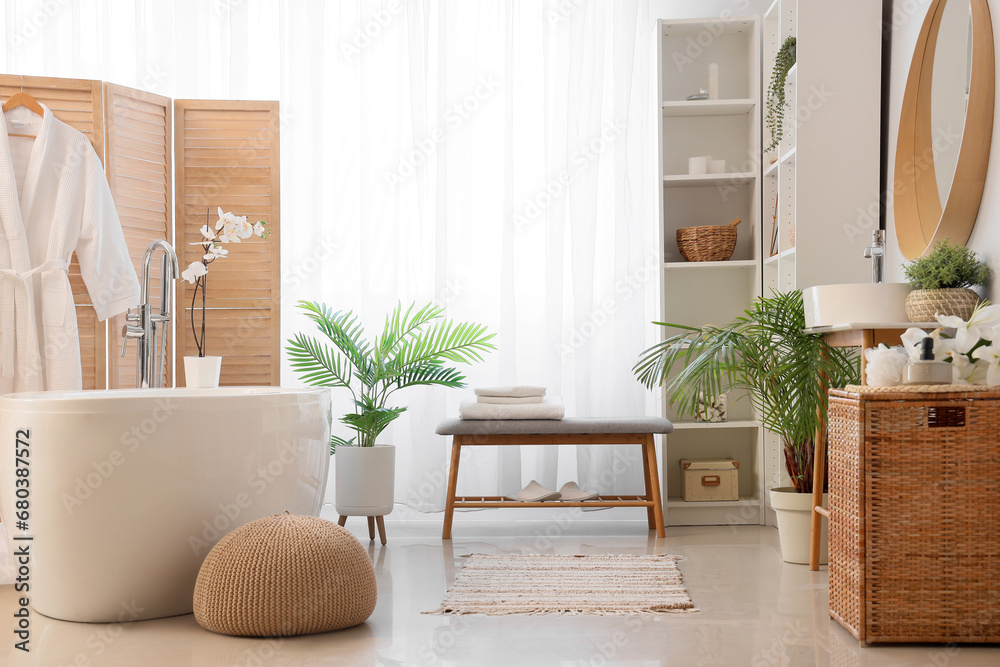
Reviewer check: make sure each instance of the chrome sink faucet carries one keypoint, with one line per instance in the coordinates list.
(876, 253)
(145, 326)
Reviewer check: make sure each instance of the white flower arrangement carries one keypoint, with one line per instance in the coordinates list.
(229, 228)
(973, 350)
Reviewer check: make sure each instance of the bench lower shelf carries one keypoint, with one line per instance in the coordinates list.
(600, 501)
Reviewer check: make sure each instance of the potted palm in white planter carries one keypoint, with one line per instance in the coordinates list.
(785, 373)
(412, 350)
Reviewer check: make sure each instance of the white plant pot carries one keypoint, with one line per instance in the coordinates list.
(794, 514)
(202, 371)
(365, 479)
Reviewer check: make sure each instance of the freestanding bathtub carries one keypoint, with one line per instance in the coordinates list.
(128, 490)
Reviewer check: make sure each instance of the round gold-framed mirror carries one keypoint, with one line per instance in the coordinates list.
(927, 206)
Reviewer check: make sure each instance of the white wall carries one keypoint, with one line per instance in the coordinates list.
(985, 240)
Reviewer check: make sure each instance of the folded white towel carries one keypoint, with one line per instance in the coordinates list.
(519, 391)
(510, 400)
(551, 408)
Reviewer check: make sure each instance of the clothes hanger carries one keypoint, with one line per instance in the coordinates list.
(23, 99)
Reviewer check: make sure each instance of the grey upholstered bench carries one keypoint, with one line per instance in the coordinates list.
(475, 432)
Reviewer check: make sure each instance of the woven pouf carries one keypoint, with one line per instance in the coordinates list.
(285, 575)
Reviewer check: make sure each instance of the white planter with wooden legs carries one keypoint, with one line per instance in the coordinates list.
(365, 481)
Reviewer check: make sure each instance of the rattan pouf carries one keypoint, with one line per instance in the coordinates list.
(285, 575)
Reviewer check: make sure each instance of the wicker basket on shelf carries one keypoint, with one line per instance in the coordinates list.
(708, 243)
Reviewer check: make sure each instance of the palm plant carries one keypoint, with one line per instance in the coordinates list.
(785, 372)
(412, 350)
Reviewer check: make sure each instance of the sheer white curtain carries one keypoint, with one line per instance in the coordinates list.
(494, 156)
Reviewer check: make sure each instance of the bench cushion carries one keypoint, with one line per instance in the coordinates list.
(537, 426)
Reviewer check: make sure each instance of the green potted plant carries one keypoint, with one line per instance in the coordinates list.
(941, 280)
(775, 116)
(412, 350)
(784, 372)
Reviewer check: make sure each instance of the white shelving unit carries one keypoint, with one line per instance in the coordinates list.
(819, 183)
(697, 293)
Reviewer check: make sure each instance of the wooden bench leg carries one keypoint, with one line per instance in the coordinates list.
(371, 528)
(650, 516)
(342, 521)
(449, 508)
(653, 483)
(381, 529)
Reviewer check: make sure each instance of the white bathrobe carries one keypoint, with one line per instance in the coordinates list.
(54, 199)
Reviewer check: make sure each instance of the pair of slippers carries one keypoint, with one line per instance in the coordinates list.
(535, 492)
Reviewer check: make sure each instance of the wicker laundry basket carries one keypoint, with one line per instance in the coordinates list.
(914, 482)
(708, 243)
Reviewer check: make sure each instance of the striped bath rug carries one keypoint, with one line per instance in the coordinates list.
(604, 585)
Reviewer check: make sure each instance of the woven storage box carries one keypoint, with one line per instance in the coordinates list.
(285, 575)
(710, 479)
(914, 483)
(709, 243)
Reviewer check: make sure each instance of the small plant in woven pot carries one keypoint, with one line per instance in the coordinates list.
(941, 282)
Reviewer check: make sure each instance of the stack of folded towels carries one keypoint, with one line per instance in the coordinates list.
(521, 402)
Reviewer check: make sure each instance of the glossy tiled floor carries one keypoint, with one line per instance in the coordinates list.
(755, 610)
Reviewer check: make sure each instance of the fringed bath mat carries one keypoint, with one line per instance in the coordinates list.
(606, 585)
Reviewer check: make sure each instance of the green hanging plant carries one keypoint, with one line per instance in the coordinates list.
(776, 91)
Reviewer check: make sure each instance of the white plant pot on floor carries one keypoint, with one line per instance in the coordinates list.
(794, 513)
(202, 371)
(365, 479)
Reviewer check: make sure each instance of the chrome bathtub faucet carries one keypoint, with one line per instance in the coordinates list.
(876, 253)
(146, 327)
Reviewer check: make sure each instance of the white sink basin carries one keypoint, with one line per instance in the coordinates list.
(855, 303)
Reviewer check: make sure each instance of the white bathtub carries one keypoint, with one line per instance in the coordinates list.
(129, 489)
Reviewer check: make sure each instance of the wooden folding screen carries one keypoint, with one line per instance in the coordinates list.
(226, 155)
(79, 103)
(138, 126)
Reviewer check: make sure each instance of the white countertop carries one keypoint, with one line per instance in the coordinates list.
(857, 326)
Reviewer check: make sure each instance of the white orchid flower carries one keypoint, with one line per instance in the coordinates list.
(225, 219)
(259, 229)
(243, 229)
(961, 369)
(992, 335)
(222, 219)
(194, 271)
(207, 232)
(967, 334)
(989, 356)
(216, 252)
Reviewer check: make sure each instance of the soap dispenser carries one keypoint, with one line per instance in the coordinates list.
(927, 371)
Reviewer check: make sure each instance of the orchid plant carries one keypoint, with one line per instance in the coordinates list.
(973, 350)
(229, 228)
